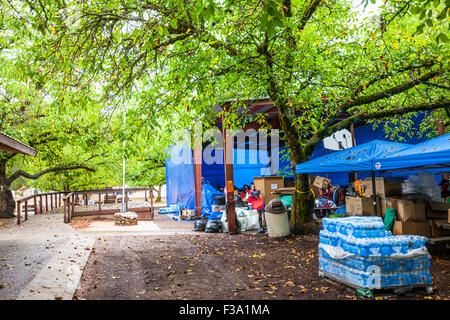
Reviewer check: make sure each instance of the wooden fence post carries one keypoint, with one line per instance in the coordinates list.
(18, 212)
(99, 202)
(26, 210)
(152, 210)
(35, 205)
(65, 214)
(73, 207)
(41, 210)
(46, 203)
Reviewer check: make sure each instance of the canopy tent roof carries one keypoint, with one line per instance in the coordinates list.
(356, 159)
(432, 155)
(10, 144)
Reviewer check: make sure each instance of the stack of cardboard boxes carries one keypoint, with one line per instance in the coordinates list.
(416, 214)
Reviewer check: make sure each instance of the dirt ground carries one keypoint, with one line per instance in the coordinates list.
(219, 266)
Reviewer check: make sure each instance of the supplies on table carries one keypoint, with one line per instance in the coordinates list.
(323, 202)
(358, 251)
(422, 183)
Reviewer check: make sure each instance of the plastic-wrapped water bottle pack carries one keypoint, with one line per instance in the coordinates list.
(359, 251)
(373, 278)
(377, 246)
(385, 264)
(358, 227)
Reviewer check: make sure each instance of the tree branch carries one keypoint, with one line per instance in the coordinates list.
(440, 103)
(22, 173)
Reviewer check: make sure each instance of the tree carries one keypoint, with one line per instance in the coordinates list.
(321, 67)
(64, 126)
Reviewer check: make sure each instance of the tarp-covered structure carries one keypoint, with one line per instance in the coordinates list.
(180, 175)
(356, 159)
(432, 155)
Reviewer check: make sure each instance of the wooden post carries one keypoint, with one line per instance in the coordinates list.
(126, 200)
(35, 205)
(145, 195)
(99, 202)
(229, 180)
(46, 203)
(60, 197)
(41, 210)
(152, 210)
(198, 179)
(65, 213)
(18, 212)
(26, 210)
(51, 201)
(73, 207)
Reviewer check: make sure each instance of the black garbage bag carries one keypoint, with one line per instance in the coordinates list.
(200, 223)
(213, 226)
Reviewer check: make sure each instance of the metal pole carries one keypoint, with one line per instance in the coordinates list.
(374, 193)
(124, 206)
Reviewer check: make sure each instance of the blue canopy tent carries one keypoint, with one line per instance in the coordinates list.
(432, 155)
(356, 159)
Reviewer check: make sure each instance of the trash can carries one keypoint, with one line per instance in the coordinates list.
(277, 219)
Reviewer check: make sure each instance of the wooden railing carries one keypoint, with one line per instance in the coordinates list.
(56, 201)
(69, 203)
(67, 200)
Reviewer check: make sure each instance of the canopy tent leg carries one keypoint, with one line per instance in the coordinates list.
(374, 193)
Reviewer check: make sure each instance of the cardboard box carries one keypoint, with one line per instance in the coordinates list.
(437, 210)
(411, 227)
(409, 210)
(321, 182)
(268, 184)
(361, 206)
(436, 228)
(385, 187)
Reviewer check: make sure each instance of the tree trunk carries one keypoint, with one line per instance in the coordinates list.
(303, 207)
(158, 198)
(7, 203)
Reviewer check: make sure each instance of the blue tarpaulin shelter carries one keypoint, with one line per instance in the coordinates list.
(432, 155)
(180, 176)
(356, 159)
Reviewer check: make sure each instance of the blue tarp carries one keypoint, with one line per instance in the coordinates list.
(356, 159)
(432, 155)
(208, 193)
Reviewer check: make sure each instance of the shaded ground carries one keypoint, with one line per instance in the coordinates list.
(26, 249)
(218, 266)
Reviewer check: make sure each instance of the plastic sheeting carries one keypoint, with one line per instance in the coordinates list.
(180, 177)
(208, 193)
(433, 154)
(356, 159)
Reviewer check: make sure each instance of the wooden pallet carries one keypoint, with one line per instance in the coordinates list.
(396, 289)
(438, 240)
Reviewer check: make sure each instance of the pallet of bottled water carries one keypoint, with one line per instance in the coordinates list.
(359, 252)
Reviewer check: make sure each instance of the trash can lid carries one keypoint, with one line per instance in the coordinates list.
(276, 206)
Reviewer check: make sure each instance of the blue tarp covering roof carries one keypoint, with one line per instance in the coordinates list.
(433, 155)
(356, 159)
